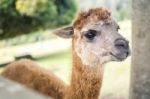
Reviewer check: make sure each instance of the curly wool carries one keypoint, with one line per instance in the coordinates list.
(96, 14)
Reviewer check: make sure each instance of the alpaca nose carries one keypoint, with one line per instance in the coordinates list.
(122, 44)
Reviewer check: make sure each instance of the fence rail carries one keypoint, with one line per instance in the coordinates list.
(12, 90)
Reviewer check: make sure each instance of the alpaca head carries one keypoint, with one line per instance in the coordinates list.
(95, 38)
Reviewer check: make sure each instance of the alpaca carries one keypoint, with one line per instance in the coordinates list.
(95, 42)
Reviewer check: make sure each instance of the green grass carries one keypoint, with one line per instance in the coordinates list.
(62, 58)
(59, 63)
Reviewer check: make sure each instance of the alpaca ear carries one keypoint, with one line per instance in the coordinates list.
(66, 32)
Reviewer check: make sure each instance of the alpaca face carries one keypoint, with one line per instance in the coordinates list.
(96, 39)
(99, 42)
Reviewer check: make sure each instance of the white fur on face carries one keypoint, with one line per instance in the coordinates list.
(92, 53)
(97, 52)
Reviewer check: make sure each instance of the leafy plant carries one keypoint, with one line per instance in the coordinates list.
(25, 16)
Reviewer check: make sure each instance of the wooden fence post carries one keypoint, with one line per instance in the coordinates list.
(140, 69)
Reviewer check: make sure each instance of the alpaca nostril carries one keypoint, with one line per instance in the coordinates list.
(121, 43)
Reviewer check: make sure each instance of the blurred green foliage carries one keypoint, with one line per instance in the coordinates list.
(124, 11)
(33, 37)
(25, 16)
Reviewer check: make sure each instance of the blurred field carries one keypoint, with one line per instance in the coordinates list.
(116, 77)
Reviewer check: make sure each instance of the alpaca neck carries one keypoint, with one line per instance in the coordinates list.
(85, 82)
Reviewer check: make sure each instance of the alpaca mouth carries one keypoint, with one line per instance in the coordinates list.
(119, 56)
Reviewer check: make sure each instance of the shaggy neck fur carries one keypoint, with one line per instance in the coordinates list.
(85, 82)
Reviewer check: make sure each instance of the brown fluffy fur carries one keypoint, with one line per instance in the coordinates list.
(32, 76)
(84, 17)
(85, 82)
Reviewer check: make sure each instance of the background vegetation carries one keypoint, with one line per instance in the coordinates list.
(25, 16)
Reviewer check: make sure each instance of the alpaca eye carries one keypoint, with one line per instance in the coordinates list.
(90, 34)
